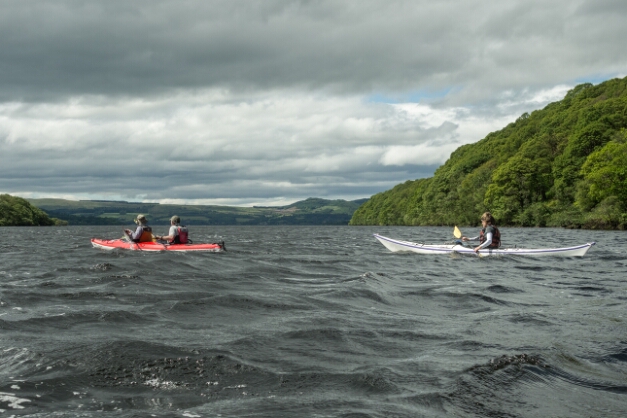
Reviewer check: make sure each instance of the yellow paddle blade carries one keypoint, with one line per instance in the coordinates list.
(456, 232)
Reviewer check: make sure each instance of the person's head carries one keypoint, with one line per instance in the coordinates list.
(175, 220)
(487, 218)
(141, 220)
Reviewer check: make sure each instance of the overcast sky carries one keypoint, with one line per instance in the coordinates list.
(268, 102)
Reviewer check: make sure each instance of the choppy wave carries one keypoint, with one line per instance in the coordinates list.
(310, 321)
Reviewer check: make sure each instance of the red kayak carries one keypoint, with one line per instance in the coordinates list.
(112, 244)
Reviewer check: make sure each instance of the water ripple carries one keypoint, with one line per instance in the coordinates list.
(310, 321)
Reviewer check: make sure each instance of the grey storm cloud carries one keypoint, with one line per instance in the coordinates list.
(268, 101)
(143, 47)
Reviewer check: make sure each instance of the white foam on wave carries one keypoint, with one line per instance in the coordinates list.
(12, 400)
(161, 384)
(235, 387)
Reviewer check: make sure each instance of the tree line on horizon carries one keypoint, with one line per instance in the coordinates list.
(561, 166)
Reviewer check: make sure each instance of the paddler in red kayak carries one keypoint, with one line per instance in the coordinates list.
(178, 233)
(143, 233)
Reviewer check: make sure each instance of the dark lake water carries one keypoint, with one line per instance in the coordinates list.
(311, 322)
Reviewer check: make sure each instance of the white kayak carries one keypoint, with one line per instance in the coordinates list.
(396, 245)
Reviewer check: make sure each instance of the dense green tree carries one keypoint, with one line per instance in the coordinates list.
(15, 211)
(564, 165)
(603, 189)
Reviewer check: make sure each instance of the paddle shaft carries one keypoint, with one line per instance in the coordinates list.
(130, 240)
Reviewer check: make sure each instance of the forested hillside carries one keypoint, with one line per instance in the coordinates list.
(564, 165)
(15, 211)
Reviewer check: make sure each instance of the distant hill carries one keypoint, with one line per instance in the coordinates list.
(564, 165)
(317, 205)
(15, 211)
(312, 211)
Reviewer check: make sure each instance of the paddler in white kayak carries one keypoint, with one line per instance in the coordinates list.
(143, 233)
(489, 237)
(178, 233)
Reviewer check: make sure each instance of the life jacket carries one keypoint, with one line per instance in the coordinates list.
(146, 235)
(181, 236)
(496, 237)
